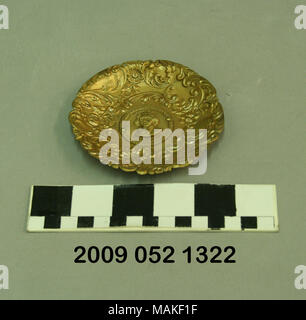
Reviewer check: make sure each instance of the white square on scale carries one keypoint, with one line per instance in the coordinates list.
(36, 223)
(266, 224)
(101, 222)
(174, 200)
(199, 222)
(255, 200)
(134, 221)
(92, 201)
(232, 223)
(166, 222)
(69, 222)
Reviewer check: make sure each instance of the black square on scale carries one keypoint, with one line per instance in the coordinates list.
(133, 200)
(212, 200)
(51, 201)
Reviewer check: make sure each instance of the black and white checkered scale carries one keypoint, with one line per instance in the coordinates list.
(158, 207)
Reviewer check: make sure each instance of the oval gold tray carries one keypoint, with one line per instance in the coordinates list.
(150, 94)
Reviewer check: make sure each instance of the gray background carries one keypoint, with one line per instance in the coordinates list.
(251, 52)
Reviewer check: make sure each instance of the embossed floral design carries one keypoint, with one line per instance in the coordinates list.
(134, 76)
(147, 121)
(167, 93)
(158, 75)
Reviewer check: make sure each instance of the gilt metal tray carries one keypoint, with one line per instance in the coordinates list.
(151, 95)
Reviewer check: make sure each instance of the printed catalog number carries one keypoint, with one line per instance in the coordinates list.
(154, 254)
